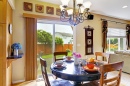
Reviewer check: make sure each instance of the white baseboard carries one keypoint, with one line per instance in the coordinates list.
(18, 81)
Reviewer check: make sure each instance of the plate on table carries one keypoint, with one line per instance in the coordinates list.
(59, 67)
(95, 69)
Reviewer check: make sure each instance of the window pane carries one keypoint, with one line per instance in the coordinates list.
(63, 38)
(44, 45)
(113, 44)
(121, 43)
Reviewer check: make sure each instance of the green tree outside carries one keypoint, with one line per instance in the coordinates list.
(44, 37)
(58, 40)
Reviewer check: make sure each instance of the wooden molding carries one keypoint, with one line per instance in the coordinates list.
(12, 3)
(40, 17)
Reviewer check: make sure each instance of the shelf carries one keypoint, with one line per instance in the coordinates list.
(15, 57)
(10, 59)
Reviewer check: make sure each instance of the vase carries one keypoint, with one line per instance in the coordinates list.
(15, 52)
(76, 59)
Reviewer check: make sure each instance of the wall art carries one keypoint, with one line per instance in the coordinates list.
(49, 10)
(39, 8)
(28, 6)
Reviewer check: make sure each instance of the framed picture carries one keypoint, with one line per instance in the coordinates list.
(58, 11)
(49, 10)
(39, 8)
(88, 40)
(28, 6)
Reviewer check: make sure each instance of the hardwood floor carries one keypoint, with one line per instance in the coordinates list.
(125, 81)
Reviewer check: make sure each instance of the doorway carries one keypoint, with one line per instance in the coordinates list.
(50, 38)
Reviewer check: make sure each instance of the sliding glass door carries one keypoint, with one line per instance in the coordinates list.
(51, 38)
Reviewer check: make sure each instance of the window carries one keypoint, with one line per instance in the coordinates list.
(116, 39)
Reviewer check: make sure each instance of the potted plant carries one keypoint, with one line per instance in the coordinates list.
(69, 54)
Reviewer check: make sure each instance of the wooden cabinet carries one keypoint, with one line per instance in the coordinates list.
(2, 54)
(3, 11)
(2, 40)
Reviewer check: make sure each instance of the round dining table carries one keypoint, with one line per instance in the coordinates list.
(75, 73)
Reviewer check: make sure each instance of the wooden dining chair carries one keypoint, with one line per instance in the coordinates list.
(102, 55)
(56, 54)
(113, 81)
(58, 82)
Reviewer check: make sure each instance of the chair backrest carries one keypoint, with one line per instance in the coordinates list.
(44, 71)
(98, 54)
(101, 54)
(115, 81)
(59, 53)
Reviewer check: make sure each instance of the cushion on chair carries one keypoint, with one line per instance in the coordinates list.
(61, 83)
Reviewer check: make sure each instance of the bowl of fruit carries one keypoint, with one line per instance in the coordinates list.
(90, 67)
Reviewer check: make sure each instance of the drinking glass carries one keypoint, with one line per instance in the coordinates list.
(79, 66)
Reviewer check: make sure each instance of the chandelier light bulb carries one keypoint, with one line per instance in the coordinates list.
(65, 2)
(79, 2)
(70, 11)
(87, 4)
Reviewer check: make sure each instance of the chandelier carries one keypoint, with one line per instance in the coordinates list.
(75, 16)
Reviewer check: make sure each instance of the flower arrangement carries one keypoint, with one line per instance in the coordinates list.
(77, 55)
(16, 46)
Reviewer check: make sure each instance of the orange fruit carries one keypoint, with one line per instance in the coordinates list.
(90, 65)
(91, 60)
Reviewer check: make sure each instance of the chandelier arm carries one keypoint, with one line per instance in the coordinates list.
(75, 21)
(79, 11)
(81, 18)
(63, 16)
(64, 19)
(86, 14)
(73, 9)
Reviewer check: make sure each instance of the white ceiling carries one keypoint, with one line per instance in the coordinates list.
(112, 8)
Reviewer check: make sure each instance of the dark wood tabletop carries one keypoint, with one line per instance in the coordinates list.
(72, 72)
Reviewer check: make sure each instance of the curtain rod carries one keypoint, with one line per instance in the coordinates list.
(113, 21)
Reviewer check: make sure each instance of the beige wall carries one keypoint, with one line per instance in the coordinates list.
(19, 34)
(97, 37)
